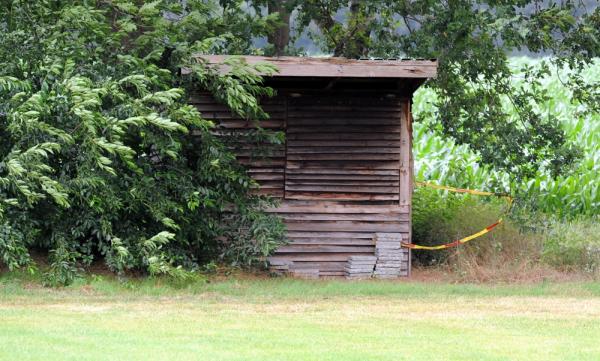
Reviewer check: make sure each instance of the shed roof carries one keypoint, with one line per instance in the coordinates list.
(332, 67)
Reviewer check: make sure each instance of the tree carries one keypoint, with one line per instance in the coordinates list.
(471, 40)
(101, 155)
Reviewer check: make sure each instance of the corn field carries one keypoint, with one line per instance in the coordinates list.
(574, 193)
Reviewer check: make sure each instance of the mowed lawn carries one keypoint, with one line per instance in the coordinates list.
(284, 319)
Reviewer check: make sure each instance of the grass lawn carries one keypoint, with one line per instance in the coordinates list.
(100, 318)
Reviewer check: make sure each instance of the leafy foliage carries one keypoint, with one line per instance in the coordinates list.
(101, 155)
(577, 192)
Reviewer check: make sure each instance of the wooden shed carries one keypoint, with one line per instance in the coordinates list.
(344, 174)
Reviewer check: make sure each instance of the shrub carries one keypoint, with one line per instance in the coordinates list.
(573, 245)
(525, 246)
(101, 155)
(433, 218)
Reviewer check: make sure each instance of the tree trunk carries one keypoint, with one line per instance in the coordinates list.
(354, 44)
(281, 36)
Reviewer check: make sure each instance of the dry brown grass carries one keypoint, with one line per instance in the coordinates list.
(505, 255)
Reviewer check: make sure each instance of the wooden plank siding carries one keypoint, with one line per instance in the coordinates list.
(343, 174)
(326, 169)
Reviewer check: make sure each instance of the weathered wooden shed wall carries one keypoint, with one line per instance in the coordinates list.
(344, 173)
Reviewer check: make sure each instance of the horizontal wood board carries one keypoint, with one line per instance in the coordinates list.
(338, 147)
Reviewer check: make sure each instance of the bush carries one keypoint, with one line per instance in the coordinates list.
(434, 222)
(440, 218)
(101, 155)
(573, 245)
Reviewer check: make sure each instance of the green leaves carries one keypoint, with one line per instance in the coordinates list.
(240, 87)
(150, 9)
(569, 195)
(163, 123)
(163, 97)
(154, 243)
(9, 84)
(13, 250)
(100, 151)
(26, 174)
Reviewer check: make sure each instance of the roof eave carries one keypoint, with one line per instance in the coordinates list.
(336, 67)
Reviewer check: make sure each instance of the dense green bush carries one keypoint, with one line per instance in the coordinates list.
(100, 154)
(434, 222)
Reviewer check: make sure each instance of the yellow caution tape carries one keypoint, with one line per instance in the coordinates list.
(487, 229)
(456, 190)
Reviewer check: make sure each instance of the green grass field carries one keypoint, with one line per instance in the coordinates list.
(282, 319)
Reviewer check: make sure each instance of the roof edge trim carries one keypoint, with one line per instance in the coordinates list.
(333, 67)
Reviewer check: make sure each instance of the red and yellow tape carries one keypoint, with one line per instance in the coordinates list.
(464, 240)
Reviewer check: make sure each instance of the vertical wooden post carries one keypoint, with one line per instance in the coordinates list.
(406, 168)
